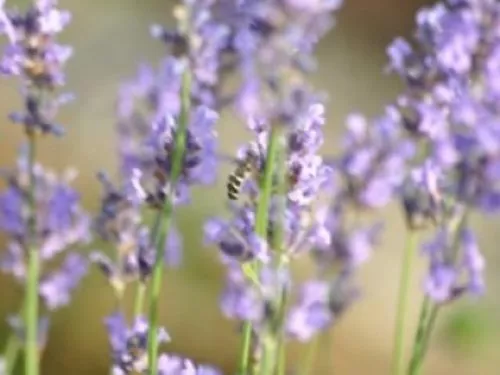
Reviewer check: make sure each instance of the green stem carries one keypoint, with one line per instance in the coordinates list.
(430, 310)
(266, 185)
(402, 307)
(140, 294)
(278, 235)
(246, 343)
(269, 356)
(11, 353)
(273, 342)
(261, 223)
(166, 221)
(281, 368)
(31, 302)
(309, 359)
(418, 360)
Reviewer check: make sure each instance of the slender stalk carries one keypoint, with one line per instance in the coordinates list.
(281, 367)
(402, 306)
(166, 221)
(430, 310)
(11, 353)
(246, 344)
(140, 294)
(417, 360)
(31, 302)
(278, 238)
(273, 340)
(261, 223)
(141, 287)
(269, 357)
(419, 336)
(309, 358)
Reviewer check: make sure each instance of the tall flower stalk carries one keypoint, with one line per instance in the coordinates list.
(33, 55)
(167, 212)
(31, 305)
(450, 71)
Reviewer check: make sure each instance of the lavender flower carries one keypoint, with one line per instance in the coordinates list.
(169, 364)
(449, 103)
(119, 224)
(129, 350)
(61, 224)
(129, 345)
(308, 228)
(34, 55)
(147, 137)
(449, 110)
(374, 159)
(455, 268)
(201, 39)
(307, 175)
(319, 305)
(273, 43)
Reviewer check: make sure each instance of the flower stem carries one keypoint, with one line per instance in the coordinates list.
(278, 235)
(166, 221)
(402, 307)
(140, 293)
(11, 353)
(261, 223)
(420, 337)
(31, 302)
(269, 356)
(309, 358)
(430, 310)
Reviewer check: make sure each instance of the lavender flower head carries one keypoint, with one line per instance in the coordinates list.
(450, 109)
(450, 101)
(61, 224)
(148, 111)
(34, 55)
(273, 43)
(311, 226)
(119, 224)
(129, 350)
(202, 40)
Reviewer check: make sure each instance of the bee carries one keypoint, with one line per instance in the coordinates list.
(245, 169)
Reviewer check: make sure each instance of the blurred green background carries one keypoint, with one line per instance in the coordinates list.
(110, 38)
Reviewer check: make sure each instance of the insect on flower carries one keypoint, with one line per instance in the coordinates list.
(245, 169)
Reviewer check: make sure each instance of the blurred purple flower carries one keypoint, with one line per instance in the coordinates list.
(119, 223)
(61, 224)
(374, 160)
(56, 287)
(455, 268)
(33, 55)
(129, 344)
(448, 105)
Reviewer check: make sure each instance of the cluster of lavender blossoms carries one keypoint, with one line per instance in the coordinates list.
(40, 212)
(435, 151)
(450, 111)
